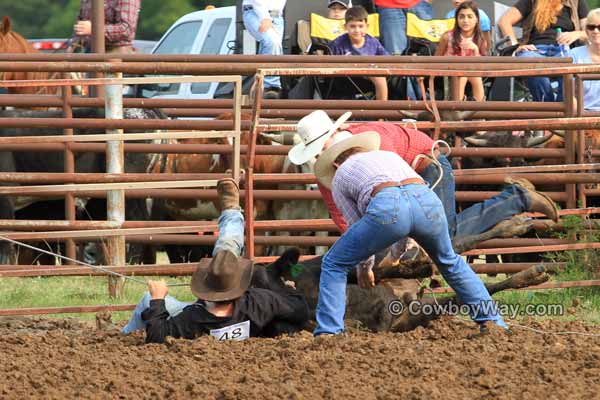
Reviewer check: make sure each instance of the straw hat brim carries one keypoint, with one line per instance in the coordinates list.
(324, 169)
(201, 290)
(301, 153)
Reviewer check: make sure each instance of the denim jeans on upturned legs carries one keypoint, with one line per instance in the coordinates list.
(231, 237)
(394, 213)
(541, 86)
(270, 42)
(482, 216)
(231, 232)
(444, 189)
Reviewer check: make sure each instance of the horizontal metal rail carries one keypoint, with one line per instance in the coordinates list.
(61, 177)
(331, 68)
(467, 70)
(508, 125)
(260, 194)
(482, 152)
(534, 249)
(117, 137)
(284, 58)
(542, 286)
(7, 312)
(330, 105)
(76, 188)
(117, 81)
(22, 271)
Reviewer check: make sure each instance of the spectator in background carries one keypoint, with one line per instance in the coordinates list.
(392, 21)
(120, 24)
(338, 8)
(590, 54)
(484, 21)
(541, 20)
(264, 20)
(465, 40)
(356, 41)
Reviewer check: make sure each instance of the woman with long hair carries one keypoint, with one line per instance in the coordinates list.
(465, 40)
(550, 27)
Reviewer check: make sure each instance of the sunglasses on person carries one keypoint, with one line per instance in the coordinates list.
(592, 28)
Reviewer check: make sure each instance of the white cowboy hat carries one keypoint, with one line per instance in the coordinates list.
(324, 169)
(313, 131)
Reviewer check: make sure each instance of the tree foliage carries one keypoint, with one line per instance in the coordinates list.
(55, 18)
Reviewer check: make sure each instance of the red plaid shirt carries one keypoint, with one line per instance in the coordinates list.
(120, 19)
(407, 143)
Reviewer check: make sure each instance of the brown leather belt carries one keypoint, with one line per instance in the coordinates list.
(409, 181)
(425, 162)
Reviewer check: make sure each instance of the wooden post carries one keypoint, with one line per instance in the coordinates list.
(115, 199)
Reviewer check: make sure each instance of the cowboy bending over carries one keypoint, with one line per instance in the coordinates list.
(227, 307)
(384, 200)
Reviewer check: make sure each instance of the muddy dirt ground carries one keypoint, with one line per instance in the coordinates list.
(45, 358)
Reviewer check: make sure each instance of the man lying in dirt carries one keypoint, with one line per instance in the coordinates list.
(227, 307)
(384, 200)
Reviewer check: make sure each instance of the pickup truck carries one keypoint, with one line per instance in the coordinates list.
(221, 31)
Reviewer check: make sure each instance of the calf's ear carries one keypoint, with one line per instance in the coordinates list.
(286, 260)
(5, 25)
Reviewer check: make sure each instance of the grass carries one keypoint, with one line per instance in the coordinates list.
(76, 291)
(578, 303)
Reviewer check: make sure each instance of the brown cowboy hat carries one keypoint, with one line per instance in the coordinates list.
(324, 168)
(225, 278)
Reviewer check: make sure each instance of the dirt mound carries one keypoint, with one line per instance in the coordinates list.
(67, 359)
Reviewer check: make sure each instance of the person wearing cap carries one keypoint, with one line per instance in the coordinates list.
(338, 8)
(264, 20)
(227, 307)
(317, 132)
(384, 200)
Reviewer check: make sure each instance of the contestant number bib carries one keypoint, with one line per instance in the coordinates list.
(239, 331)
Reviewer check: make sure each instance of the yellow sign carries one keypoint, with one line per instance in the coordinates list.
(329, 29)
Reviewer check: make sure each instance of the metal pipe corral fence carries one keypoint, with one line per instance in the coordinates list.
(569, 172)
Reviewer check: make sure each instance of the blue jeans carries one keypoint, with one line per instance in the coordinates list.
(231, 237)
(270, 42)
(394, 213)
(444, 189)
(540, 86)
(392, 26)
(481, 216)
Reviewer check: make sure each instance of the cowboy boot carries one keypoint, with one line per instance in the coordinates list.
(539, 202)
(229, 194)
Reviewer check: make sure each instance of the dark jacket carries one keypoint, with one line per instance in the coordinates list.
(270, 314)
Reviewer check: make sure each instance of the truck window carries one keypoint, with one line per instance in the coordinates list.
(179, 41)
(212, 45)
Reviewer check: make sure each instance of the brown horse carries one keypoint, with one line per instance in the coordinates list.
(12, 42)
